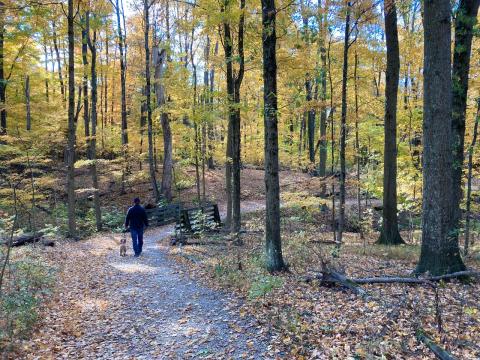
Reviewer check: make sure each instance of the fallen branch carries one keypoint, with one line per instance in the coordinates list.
(439, 352)
(332, 276)
(410, 280)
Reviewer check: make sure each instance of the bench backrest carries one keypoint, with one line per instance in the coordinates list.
(195, 219)
(164, 214)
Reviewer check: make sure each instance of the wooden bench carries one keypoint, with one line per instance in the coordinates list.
(164, 215)
(198, 219)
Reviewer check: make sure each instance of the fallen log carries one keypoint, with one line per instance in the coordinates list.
(439, 352)
(24, 239)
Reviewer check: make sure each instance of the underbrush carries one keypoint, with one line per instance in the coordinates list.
(26, 283)
(311, 320)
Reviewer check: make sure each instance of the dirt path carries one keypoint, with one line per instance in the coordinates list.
(140, 308)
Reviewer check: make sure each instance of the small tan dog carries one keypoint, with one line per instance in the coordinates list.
(123, 246)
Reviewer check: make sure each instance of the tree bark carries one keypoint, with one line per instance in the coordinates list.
(159, 60)
(45, 53)
(322, 166)
(343, 126)
(71, 124)
(86, 112)
(389, 234)
(440, 253)
(92, 44)
(469, 179)
(153, 179)
(27, 103)
(232, 168)
(465, 20)
(59, 64)
(123, 76)
(3, 85)
(274, 258)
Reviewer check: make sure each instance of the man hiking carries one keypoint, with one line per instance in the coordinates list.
(137, 221)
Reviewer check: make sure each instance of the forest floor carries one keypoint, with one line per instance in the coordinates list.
(213, 299)
(108, 307)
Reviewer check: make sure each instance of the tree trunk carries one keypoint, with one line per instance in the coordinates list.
(465, 20)
(3, 85)
(469, 179)
(86, 112)
(71, 123)
(211, 137)
(59, 64)
(153, 179)
(274, 258)
(322, 166)
(440, 253)
(159, 60)
(123, 75)
(343, 126)
(45, 52)
(310, 121)
(27, 103)
(357, 144)
(232, 168)
(92, 43)
(389, 234)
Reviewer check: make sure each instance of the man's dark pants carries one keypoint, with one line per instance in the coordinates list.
(137, 240)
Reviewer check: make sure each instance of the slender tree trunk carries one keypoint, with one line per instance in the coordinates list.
(27, 103)
(45, 52)
(274, 258)
(465, 20)
(92, 44)
(59, 64)
(343, 126)
(389, 234)
(153, 179)
(440, 253)
(469, 179)
(71, 124)
(123, 75)
(86, 111)
(323, 94)
(211, 137)
(3, 84)
(357, 144)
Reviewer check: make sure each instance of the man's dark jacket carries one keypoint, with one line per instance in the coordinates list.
(136, 217)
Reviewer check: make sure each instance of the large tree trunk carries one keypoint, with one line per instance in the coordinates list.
(343, 126)
(389, 234)
(71, 124)
(465, 20)
(274, 258)
(3, 85)
(153, 179)
(440, 253)
(159, 60)
(93, 138)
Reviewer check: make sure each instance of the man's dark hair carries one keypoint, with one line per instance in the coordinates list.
(136, 200)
